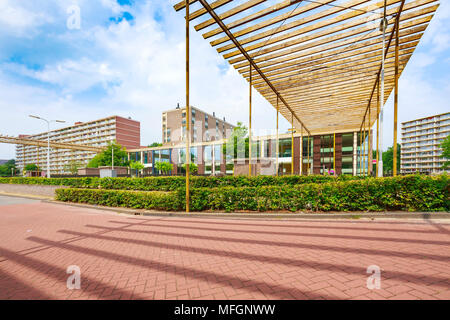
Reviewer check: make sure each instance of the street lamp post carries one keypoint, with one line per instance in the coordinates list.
(48, 139)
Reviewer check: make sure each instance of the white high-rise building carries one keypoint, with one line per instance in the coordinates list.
(97, 133)
(421, 139)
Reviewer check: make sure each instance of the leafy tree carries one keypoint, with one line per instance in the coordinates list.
(239, 139)
(72, 167)
(105, 158)
(136, 165)
(31, 167)
(5, 169)
(193, 168)
(155, 144)
(388, 160)
(445, 145)
(95, 162)
(164, 167)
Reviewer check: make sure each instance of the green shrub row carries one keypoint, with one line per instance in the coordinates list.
(167, 201)
(411, 193)
(175, 183)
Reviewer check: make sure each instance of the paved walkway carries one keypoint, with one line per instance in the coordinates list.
(127, 257)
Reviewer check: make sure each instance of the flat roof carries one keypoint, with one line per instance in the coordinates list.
(212, 116)
(437, 115)
(79, 123)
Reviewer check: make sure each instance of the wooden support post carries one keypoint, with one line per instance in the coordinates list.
(301, 151)
(378, 128)
(394, 160)
(364, 149)
(250, 125)
(309, 147)
(334, 152)
(276, 144)
(292, 144)
(369, 156)
(188, 110)
(360, 152)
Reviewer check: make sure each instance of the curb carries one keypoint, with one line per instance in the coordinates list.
(225, 215)
(27, 196)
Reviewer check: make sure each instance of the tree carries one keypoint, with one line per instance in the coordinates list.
(164, 167)
(388, 160)
(105, 158)
(31, 167)
(136, 165)
(155, 144)
(5, 169)
(72, 167)
(239, 139)
(193, 168)
(445, 145)
(95, 162)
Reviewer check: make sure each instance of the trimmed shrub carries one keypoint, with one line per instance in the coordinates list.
(411, 193)
(175, 183)
(167, 201)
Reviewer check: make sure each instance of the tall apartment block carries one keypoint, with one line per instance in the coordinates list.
(204, 127)
(96, 133)
(421, 139)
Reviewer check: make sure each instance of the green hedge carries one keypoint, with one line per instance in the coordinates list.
(175, 183)
(167, 201)
(411, 193)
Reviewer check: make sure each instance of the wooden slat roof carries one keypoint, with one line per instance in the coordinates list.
(322, 57)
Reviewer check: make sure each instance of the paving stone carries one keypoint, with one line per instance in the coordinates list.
(127, 257)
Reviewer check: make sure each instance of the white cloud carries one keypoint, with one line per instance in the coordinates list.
(18, 20)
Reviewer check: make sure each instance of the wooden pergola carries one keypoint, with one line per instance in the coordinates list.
(325, 65)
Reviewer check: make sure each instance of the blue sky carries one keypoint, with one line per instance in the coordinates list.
(127, 58)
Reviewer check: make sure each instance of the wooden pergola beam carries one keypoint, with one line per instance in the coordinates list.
(250, 60)
(385, 54)
(316, 58)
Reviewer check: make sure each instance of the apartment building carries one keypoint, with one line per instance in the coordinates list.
(204, 126)
(97, 133)
(421, 139)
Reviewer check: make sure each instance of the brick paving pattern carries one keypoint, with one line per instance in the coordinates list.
(134, 257)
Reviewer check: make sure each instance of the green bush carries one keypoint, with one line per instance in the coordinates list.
(174, 183)
(411, 193)
(117, 198)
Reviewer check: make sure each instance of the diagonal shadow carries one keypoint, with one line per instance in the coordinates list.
(15, 289)
(261, 258)
(251, 285)
(388, 221)
(297, 225)
(60, 274)
(351, 237)
(437, 226)
(304, 245)
(43, 247)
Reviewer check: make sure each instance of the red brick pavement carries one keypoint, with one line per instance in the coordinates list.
(126, 257)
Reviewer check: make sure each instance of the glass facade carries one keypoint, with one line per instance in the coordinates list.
(306, 166)
(347, 153)
(362, 152)
(327, 153)
(211, 156)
